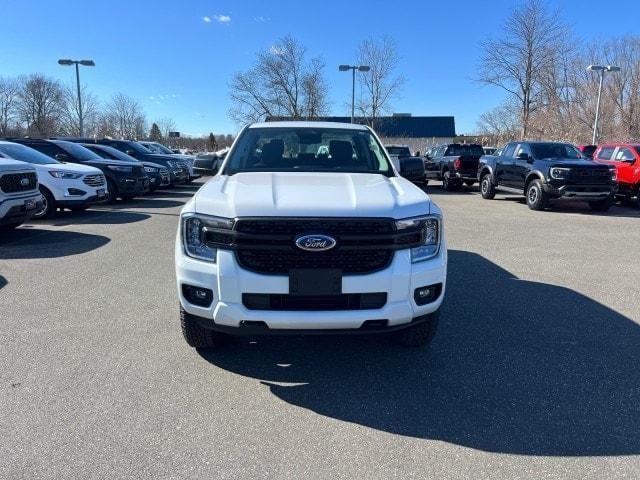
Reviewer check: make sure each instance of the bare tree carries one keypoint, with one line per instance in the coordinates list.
(282, 83)
(9, 97)
(123, 118)
(519, 61)
(40, 105)
(499, 125)
(70, 115)
(380, 85)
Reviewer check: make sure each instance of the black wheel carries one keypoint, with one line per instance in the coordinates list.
(601, 205)
(48, 209)
(536, 198)
(419, 335)
(196, 336)
(469, 183)
(487, 188)
(112, 191)
(448, 183)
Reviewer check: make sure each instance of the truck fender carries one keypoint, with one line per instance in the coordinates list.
(484, 169)
(533, 175)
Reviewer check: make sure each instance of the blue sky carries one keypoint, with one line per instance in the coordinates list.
(178, 64)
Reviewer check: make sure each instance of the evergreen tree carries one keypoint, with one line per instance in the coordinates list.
(154, 134)
(212, 145)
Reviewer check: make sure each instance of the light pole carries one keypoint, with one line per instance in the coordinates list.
(86, 63)
(353, 68)
(601, 69)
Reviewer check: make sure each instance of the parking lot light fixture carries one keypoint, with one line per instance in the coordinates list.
(601, 69)
(353, 68)
(85, 63)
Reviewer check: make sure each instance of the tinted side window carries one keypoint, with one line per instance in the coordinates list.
(47, 148)
(605, 153)
(509, 150)
(624, 154)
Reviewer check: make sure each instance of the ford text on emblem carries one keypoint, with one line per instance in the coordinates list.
(24, 182)
(315, 243)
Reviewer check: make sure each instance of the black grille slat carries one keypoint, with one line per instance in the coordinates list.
(285, 302)
(11, 182)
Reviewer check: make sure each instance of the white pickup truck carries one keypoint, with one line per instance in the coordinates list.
(308, 229)
(20, 198)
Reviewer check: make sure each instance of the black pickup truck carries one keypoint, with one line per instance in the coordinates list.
(546, 170)
(410, 167)
(454, 164)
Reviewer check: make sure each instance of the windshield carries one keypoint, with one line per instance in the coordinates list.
(111, 153)
(399, 151)
(159, 148)
(307, 150)
(78, 152)
(136, 147)
(464, 150)
(555, 150)
(25, 154)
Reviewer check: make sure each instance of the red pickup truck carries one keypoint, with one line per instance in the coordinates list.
(626, 158)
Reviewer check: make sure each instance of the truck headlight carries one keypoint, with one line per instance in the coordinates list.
(64, 175)
(431, 229)
(150, 169)
(558, 173)
(193, 228)
(614, 174)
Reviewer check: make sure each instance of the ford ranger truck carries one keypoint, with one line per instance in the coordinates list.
(20, 197)
(542, 171)
(308, 229)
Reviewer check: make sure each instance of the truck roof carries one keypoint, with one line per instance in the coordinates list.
(307, 124)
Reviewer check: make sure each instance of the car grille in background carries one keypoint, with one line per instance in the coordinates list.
(347, 301)
(268, 245)
(94, 180)
(13, 182)
(138, 171)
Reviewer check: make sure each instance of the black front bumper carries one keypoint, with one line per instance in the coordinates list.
(580, 191)
(133, 185)
(67, 203)
(179, 176)
(19, 213)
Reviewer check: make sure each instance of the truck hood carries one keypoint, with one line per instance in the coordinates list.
(311, 195)
(11, 165)
(571, 162)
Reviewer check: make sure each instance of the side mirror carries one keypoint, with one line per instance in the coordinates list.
(523, 156)
(61, 157)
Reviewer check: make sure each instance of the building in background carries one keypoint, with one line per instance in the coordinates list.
(419, 133)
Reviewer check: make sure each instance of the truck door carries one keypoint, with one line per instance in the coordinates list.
(520, 166)
(503, 164)
(431, 163)
(626, 164)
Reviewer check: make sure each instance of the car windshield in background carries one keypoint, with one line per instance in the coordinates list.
(138, 148)
(25, 154)
(399, 151)
(588, 151)
(77, 151)
(307, 150)
(111, 153)
(159, 148)
(555, 150)
(464, 150)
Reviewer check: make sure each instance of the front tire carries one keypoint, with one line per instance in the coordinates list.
(536, 197)
(197, 336)
(112, 191)
(419, 335)
(48, 205)
(487, 188)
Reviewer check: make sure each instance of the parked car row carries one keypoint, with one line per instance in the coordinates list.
(40, 176)
(540, 171)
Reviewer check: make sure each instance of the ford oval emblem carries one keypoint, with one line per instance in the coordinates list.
(24, 182)
(315, 243)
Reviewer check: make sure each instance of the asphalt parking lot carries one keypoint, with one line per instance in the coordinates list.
(533, 374)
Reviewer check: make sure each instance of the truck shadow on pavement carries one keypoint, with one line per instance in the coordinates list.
(26, 243)
(3, 282)
(517, 367)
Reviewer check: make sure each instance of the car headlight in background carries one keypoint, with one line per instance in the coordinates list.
(150, 169)
(193, 227)
(431, 226)
(64, 175)
(614, 173)
(119, 168)
(558, 173)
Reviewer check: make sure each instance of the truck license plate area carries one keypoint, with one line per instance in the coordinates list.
(315, 281)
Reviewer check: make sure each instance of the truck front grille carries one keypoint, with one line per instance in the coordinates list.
(285, 302)
(589, 175)
(18, 182)
(268, 246)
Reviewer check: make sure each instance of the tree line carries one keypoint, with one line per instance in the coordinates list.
(539, 62)
(36, 105)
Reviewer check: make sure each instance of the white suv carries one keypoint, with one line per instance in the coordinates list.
(19, 194)
(309, 229)
(63, 185)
